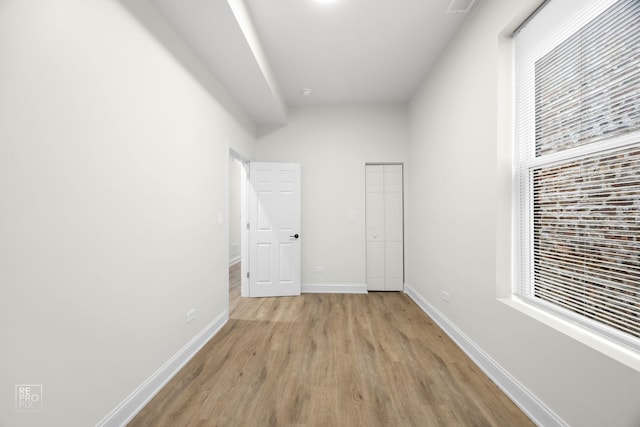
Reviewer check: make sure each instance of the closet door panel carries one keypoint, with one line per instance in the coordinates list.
(393, 266)
(376, 266)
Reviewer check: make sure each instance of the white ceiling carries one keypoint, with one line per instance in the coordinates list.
(346, 51)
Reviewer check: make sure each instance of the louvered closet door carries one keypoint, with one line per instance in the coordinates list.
(384, 216)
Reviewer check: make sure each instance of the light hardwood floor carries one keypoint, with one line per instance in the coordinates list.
(330, 360)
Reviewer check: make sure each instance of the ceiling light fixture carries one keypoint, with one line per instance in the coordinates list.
(305, 92)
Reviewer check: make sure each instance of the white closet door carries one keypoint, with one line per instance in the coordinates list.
(384, 218)
(393, 229)
(375, 227)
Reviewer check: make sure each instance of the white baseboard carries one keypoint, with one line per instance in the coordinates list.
(535, 409)
(333, 288)
(128, 409)
(233, 261)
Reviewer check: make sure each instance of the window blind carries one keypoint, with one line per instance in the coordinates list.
(578, 163)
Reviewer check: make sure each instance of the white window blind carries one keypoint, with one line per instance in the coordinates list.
(577, 76)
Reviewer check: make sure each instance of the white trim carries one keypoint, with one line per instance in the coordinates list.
(130, 406)
(629, 356)
(233, 261)
(244, 233)
(533, 407)
(333, 288)
(227, 214)
(571, 154)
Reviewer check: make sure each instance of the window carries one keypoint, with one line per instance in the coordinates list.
(577, 150)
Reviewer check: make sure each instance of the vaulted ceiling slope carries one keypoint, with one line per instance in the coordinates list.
(267, 52)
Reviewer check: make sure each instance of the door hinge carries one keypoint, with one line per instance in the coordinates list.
(247, 274)
(248, 226)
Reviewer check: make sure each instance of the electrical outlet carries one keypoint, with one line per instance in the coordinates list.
(318, 269)
(445, 296)
(191, 314)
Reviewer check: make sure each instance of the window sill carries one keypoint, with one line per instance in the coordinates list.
(618, 352)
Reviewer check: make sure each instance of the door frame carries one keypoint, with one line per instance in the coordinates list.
(244, 215)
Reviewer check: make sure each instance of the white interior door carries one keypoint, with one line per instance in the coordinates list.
(385, 227)
(274, 227)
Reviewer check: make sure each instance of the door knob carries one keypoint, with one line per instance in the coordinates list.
(295, 236)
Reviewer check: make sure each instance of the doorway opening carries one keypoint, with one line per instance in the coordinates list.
(237, 229)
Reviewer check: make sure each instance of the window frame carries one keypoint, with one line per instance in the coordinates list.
(525, 162)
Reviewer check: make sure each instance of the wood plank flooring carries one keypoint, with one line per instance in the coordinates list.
(330, 360)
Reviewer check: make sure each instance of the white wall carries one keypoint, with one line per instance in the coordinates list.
(460, 223)
(113, 162)
(332, 144)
